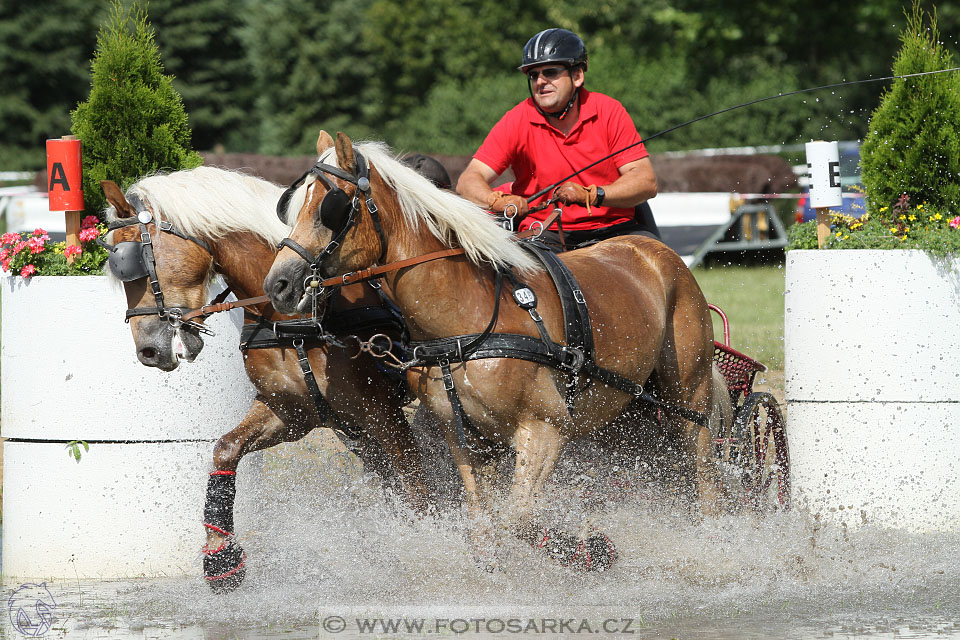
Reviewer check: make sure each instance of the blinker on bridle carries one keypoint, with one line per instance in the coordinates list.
(133, 260)
(338, 212)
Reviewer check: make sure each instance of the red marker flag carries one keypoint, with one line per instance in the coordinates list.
(64, 175)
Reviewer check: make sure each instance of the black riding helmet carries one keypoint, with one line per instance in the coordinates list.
(559, 46)
(554, 45)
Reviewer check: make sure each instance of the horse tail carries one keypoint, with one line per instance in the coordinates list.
(721, 408)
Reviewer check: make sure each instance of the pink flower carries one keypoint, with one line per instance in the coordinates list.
(10, 238)
(4, 254)
(27, 271)
(19, 247)
(955, 223)
(36, 245)
(72, 250)
(40, 233)
(88, 234)
(5, 264)
(89, 222)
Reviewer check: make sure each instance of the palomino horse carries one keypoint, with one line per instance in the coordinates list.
(216, 221)
(648, 317)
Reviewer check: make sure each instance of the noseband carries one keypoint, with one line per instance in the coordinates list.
(338, 212)
(134, 259)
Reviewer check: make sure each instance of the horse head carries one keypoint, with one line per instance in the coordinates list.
(339, 228)
(164, 273)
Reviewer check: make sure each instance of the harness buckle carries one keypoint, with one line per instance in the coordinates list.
(145, 237)
(538, 233)
(448, 382)
(571, 359)
(578, 296)
(374, 284)
(371, 206)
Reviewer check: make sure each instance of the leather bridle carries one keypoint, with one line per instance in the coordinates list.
(133, 260)
(337, 211)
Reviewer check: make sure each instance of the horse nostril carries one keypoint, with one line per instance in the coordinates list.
(280, 286)
(148, 353)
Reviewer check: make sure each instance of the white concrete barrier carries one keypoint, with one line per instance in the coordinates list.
(133, 504)
(872, 369)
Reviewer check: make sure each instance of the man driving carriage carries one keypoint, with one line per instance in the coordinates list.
(561, 128)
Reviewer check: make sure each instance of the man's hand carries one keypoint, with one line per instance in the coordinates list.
(506, 203)
(573, 193)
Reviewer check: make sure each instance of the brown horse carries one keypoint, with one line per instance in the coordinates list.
(224, 222)
(649, 318)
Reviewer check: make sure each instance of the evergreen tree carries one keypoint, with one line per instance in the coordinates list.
(44, 49)
(133, 122)
(913, 142)
(202, 50)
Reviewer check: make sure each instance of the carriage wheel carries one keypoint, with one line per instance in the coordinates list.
(757, 447)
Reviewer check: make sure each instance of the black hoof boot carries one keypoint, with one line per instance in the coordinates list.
(596, 553)
(225, 567)
(599, 553)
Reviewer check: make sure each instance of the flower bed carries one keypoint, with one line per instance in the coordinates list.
(32, 254)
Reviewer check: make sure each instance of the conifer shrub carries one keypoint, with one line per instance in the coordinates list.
(913, 141)
(910, 157)
(133, 123)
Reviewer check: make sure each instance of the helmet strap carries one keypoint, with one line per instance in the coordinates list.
(559, 115)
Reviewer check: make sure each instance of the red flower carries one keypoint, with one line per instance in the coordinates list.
(35, 244)
(10, 238)
(5, 264)
(88, 234)
(72, 250)
(27, 271)
(40, 233)
(19, 247)
(89, 222)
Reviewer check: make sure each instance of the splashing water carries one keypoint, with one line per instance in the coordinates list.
(326, 543)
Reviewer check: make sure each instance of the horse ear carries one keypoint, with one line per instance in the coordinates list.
(345, 153)
(117, 199)
(324, 142)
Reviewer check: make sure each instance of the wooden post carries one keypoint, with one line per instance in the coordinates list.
(823, 225)
(72, 220)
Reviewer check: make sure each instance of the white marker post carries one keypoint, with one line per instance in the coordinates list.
(823, 162)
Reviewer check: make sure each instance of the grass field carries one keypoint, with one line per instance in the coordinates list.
(752, 298)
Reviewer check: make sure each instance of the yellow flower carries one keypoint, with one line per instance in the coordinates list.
(882, 209)
(919, 206)
(846, 236)
(893, 229)
(906, 230)
(912, 217)
(839, 233)
(938, 217)
(902, 218)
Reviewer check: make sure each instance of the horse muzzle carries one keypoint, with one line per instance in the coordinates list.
(285, 284)
(160, 345)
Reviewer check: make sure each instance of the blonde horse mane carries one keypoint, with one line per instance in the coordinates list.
(208, 202)
(450, 218)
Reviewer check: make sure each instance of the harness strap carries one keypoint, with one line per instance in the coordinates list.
(457, 352)
(217, 305)
(521, 347)
(348, 434)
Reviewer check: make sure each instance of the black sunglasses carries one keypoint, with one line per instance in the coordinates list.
(550, 73)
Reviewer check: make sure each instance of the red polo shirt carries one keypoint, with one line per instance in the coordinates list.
(541, 155)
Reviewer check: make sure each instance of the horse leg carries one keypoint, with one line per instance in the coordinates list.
(698, 394)
(224, 560)
(538, 445)
(389, 428)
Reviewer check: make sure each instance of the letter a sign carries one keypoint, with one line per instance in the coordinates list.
(64, 175)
